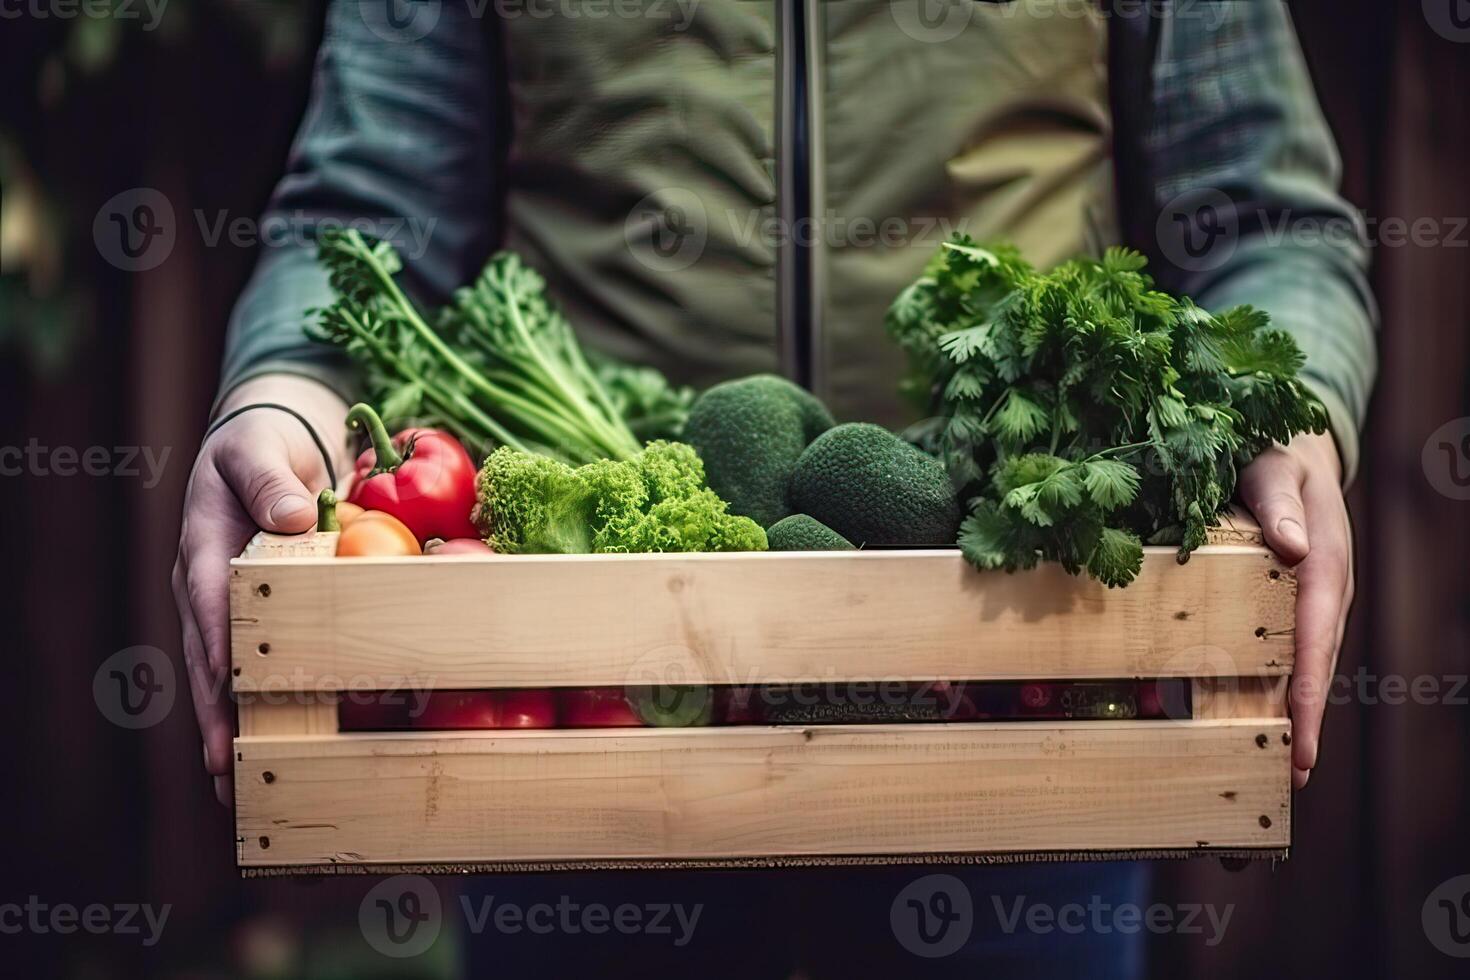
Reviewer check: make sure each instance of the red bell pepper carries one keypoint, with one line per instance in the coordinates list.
(423, 477)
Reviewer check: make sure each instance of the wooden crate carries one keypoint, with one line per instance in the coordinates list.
(306, 628)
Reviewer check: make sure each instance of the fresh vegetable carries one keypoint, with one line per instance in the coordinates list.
(673, 705)
(500, 366)
(872, 488)
(457, 546)
(655, 501)
(422, 477)
(328, 518)
(375, 711)
(802, 533)
(596, 707)
(376, 533)
(460, 710)
(643, 398)
(1084, 411)
(750, 433)
(532, 708)
(347, 512)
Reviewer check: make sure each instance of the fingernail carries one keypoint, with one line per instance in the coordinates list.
(207, 766)
(1288, 528)
(290, 504)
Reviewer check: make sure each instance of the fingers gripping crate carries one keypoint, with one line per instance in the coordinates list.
(308, 627)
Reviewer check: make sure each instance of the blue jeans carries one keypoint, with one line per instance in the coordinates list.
(988, 922)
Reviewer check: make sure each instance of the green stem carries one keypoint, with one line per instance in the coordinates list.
(387, 457)
(1117, 449)
(458, 403)
(326, 512)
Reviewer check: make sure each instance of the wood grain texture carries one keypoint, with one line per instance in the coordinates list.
(288, 713)
(727, 793)
(549, 620)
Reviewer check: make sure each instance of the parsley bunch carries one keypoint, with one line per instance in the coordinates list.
(1083, 411)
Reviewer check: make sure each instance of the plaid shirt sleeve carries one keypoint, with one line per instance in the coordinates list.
(1245, 175)
(397, 140)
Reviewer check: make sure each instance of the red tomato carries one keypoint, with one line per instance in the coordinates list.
(528, 709)
(478, 710)
(596, 707)
(455, 710)
(373, 711)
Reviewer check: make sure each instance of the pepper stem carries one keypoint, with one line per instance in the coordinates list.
(387, 457)
(326, 511)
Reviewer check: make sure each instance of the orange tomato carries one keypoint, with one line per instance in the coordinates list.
(374, 533)
(347, 513)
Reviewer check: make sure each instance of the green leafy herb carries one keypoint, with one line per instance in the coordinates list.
(1082, 411)
(500, 366)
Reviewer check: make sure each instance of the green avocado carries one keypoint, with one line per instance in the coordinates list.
(871, 487)
(750, 433)
(802, 533)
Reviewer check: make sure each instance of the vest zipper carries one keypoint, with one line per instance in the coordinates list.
(794, 192)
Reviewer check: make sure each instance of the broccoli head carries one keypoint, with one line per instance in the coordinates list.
(802, 533)
(657, 501)
(750, 433)
(873, 488)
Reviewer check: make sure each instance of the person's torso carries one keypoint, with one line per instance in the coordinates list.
(718, 187)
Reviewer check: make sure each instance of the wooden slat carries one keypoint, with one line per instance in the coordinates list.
(727, 793)
(465, 621)
(1240, 697)
(294, 713)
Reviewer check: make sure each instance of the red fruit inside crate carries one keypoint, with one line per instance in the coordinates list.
(528, 709)
(373, 711)
(596, 707)
(462, 710)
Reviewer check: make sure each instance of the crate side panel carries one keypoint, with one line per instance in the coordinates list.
(760, 792)
(325, 624)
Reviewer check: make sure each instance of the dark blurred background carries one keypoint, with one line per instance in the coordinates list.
(201, 107)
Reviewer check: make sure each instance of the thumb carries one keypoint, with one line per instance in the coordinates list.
(269, 490)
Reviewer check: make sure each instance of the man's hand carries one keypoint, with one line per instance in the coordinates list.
(262, 469)
(1295, 492)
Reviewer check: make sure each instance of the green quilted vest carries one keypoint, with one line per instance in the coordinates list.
(719, 187)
